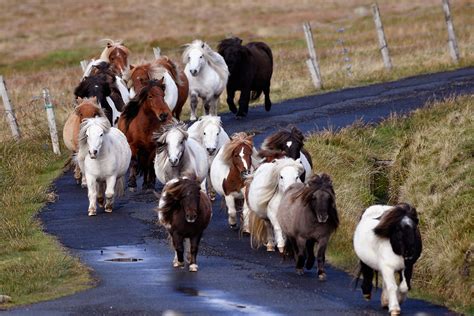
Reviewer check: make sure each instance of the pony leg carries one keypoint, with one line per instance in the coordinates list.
(207, 106)
(268, 102)
(368, 274)
(390, 290)
(92, 194)
(270, 240)
(301, 257)
(277, 230)
(230, 100)
(230, 202)
(100, 193)
(109, 194)
(322, 244)
(402, 288)
(244, 103)
(310, 254)
(77, 173)
(193, 103)
(132, 179)
(179, 248)
(245, 214)
(214, 101)
(193, 267)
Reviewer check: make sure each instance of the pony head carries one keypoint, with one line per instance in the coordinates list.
(88, 108)
(172, 138)
(92, 133)
(139, 75)
(233, 52)
(320, 196)
(289, 141)
(116, 53)
(289, 173)
(238, 152)
(210, 128)
(181, 193)
(194, 56)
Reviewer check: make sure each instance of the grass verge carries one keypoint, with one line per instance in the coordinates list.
(432, 165)
(33, 265)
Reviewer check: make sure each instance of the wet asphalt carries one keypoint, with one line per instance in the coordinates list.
(232, 277)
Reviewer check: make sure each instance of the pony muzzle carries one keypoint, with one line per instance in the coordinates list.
(93, 154)
(191, 218)
(211, 151)
(163, 117)
(174, 161)
(193, 72)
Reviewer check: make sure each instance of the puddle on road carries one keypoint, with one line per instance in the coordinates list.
(123, 254)
(222, 300)
(124, 259)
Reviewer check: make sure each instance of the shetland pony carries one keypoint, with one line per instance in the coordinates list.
(177, 154)
(308, 215)
(264, 191)
(104, 156)
(175, 81)
(118, 85)
(387, 239)
(251, 69)
(87, 108)
(232, 163)
(292, 143)
(144, 115)
(207, 73)
(116, 53)
(185, 212)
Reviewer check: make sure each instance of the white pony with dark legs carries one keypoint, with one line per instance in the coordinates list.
(387, 239)
(104, 156)
(178, 155)
(263, 196)
(207, 73)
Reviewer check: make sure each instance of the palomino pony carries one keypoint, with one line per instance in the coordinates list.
(144, 115)
(176, 83)
(308, 215)
(104, 157)
(251, 69)
(87, 108)
(185, 212)
(263, 195)
(387, 239)
(207, 73)
(292, 143)
(232, 163)
(178, 155)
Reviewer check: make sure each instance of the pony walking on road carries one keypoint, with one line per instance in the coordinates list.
(104, 157)
(387, 239)
(308, 215)
(251, 69)
(207, 73)
(185, 212)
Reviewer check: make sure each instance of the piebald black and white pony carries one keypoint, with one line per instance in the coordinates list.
(387, 239)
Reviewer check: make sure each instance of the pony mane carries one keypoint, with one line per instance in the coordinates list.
(215, 60)
(133, 106)
(392, 217)
(153, 70)
(204, 121)
(110, 45)
(172, 68)
(281, 137)
(102, 122)
(91, 102)
(236, 140)
(88, 83)
(171, 195)
(160, 136)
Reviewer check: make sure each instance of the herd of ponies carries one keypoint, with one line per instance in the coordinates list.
(127, 119)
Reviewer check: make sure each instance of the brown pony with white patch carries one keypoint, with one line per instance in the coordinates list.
(116, 53)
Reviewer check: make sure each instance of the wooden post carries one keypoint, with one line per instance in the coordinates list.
(381, 35)
(157, 52)
(312, 61)
(51, 121)
(84, 64)
(452, 42)
(9, 110)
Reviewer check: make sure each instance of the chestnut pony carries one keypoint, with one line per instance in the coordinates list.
(116, 53)
(176, 83)
(144, 115)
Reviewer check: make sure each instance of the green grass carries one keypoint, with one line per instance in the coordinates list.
(432, 167)
(33, 265)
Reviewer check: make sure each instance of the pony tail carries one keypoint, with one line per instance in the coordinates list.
(258, 231)
(120, 187)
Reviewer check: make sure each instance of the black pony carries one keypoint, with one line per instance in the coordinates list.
(251, 68)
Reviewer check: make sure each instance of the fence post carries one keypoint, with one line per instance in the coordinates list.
(84, 64)
(312, 61)
(452, 42)
(51, 121)
(381, 35)
(9, 110)
(157, 52)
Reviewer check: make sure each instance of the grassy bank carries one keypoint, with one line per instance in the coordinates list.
(431, 165)
(33, 265)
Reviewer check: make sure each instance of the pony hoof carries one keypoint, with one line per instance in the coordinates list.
(395, 312)
(177, 264)
(322, 277)
(299, 271)
(83, 185)
(233, 226)
(92, 213)
(108, 210)
(367, 297)
(270, 248)
(193, 267)
(281, 249)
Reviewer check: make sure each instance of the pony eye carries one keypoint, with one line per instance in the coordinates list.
(204, 133)
(217, 133)
(189, 58)
(101, 134)
(281, 177)
(201, 57)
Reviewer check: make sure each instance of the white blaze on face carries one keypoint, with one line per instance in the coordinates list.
(241, 154)
(289, 143)
(407, 221)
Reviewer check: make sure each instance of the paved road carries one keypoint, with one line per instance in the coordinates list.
(233, 278)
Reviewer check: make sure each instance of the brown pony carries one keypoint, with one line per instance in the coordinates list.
(87, 108)
(185, 211)
(308, 215)
(144, 115)
(232, 163)
(116, 53)
(138, 75)
(268, 155)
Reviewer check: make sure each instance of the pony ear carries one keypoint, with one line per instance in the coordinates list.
(131, 67)
(109, 44)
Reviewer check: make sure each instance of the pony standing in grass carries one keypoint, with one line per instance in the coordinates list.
(104, 157)
(207, 74)
(387, 239)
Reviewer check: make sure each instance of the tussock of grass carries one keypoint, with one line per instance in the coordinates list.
(433, 165)
(33, 266)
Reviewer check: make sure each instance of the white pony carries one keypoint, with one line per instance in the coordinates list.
(104, 156)
(263, 197)
(208, 131)
(387, 239)
(207, 74)
(179, 155)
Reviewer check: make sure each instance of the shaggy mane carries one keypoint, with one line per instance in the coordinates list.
(236, 140)
(160, 137)
(281, 137)
(153, 70)
(102, 122)
(92, 102)
(215, 60)
(110, 45)
(392, 217)
(204, 121)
